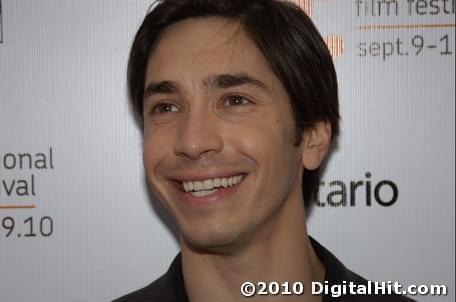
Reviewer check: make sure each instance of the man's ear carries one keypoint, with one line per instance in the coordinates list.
(315, 145)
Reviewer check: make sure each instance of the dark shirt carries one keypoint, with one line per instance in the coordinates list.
(170, 287)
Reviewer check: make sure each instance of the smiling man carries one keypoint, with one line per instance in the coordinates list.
(238, 101)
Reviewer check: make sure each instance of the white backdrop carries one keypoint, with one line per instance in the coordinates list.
(76, 223)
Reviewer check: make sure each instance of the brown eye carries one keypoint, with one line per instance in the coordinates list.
(236, 100)
(164, 108)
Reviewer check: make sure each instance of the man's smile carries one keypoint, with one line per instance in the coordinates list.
(205, 189)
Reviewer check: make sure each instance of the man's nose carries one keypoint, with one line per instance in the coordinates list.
(198, 135)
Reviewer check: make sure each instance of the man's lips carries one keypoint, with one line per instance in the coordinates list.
(202, 185)
(211, 183)
(200, 176)
(208, 193)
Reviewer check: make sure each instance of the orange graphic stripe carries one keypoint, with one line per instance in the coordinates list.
(405, 26)
(17, 207)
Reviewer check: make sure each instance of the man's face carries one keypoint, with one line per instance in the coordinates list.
(218, 134)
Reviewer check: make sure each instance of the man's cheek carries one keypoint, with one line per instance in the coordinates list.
(150, 160)
(269, 143)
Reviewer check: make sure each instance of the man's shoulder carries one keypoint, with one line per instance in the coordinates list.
(164, 289)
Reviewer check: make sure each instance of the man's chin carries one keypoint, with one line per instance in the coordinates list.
(211, 242)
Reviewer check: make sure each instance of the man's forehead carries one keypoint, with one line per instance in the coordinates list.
(203, 47)
(202, 37)
(212, 27)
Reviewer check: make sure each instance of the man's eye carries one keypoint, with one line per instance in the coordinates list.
(164, 108)
(236, 100)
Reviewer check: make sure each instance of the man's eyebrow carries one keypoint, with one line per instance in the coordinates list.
(213, 81)
(232, 80)
(161, 87)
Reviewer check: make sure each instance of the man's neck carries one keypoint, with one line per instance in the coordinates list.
(280, 251)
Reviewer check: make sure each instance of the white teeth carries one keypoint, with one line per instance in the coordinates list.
(208, 186)
(224, 182)
(217, 182)
(197, 185)
(208, 183)
(203, 193)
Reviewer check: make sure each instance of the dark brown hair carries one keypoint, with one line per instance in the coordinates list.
(289, 41)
